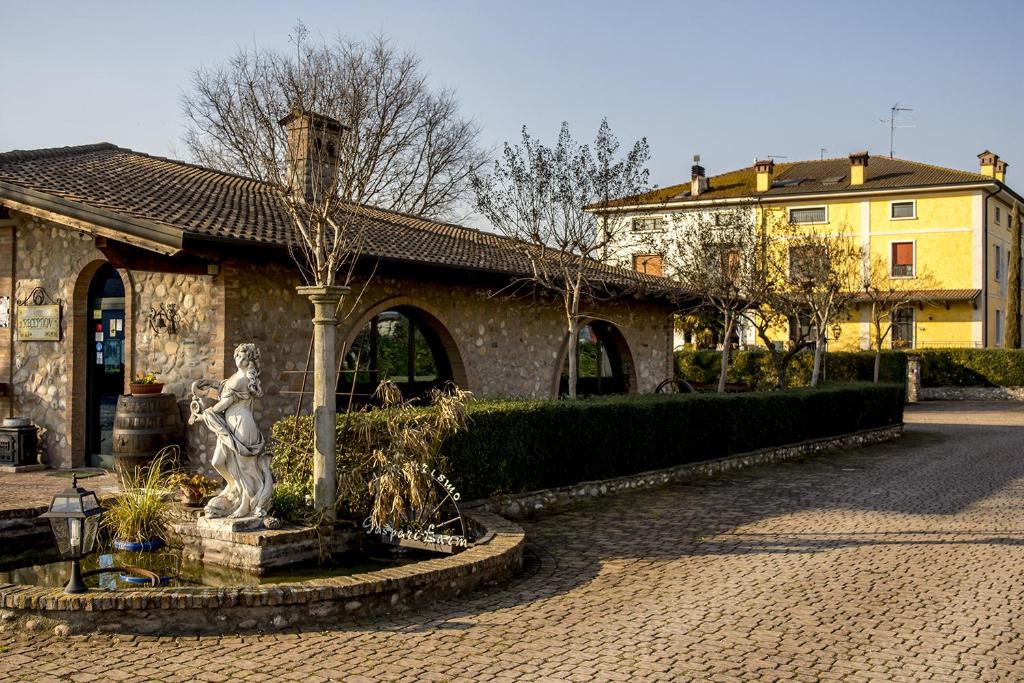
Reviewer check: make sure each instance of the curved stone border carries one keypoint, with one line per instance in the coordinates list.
(971, 394)
(548, 501)
(309, 604)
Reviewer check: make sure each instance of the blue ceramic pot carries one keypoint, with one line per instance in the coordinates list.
(141, 546)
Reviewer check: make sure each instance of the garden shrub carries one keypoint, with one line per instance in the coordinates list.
(755, 367)
(513, 446)
(972, 367)
(518, 446)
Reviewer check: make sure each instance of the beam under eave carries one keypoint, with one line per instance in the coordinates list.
(92, 221)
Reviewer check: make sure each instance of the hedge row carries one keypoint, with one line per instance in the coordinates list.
(972, 367)
(755, 367)
(519, 446)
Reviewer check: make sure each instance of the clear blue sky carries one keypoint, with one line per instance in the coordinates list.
(728, 80)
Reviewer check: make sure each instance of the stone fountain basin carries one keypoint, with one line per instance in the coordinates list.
(312, 604)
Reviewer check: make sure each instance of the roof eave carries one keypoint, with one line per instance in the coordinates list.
(762, 198)
(162, 239)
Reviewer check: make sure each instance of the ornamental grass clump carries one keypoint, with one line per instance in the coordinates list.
(139, 511)
(385, 458)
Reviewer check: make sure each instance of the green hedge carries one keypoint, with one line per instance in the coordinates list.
(754, 367)
(518, 446)
(972, 367)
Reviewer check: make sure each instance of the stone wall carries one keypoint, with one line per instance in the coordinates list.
(52, 257)
(498, 346)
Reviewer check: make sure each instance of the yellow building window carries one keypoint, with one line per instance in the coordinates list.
(903, 259)
(648, 263)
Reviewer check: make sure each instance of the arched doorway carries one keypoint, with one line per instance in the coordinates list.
(605, 364)
(402, 343)
(104, 361)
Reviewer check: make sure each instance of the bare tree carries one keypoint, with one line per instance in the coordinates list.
(887, 296)
(719, 257)
(361, 125)
(1014, 283)
(824, 276)
(410, 149)
(540, 197)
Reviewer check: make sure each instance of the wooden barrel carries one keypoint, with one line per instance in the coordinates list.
(143, 424)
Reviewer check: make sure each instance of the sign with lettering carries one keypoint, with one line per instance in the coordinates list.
(437, 527)
(39, 323)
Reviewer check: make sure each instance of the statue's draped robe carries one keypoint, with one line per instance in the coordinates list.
(246, 467)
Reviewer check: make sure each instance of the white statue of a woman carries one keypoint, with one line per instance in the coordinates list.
(240, 455)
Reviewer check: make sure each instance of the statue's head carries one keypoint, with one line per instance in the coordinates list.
(247, 355)
(247, 358)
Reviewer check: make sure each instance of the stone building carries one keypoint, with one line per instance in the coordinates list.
(162, 266)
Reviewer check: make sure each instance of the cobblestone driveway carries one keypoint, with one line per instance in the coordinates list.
(896, 562)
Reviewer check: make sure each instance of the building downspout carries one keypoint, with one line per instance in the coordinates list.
(984, 266)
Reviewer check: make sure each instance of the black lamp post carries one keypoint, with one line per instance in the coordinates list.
(74, 519)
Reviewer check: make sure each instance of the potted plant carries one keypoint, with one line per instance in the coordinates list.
(145, 384)
(192, 487)
(136, 516)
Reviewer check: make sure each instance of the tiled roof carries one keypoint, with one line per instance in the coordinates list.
(811, 177)
(932, 295)
(205, 203)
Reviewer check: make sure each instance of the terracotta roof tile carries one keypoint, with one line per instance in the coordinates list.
(816, 176)
(206, 203)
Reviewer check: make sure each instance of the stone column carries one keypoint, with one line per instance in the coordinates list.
(913, 378)
(325, 318)
(7, 234)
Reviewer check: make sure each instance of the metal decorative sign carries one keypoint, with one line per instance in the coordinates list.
(438, 528)
(37, 319)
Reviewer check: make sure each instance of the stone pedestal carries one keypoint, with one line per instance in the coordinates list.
(230, 525)
(325, 319)
(260, 551)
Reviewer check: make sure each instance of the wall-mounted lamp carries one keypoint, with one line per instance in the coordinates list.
(837, 330)
(164, 319)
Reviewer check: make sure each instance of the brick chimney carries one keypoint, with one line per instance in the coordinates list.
(1001, 170)
(859, 167)
(765, 172)
(698, 179)
(989, 160)
(314, 144)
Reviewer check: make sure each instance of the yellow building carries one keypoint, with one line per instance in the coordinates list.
(946, 228)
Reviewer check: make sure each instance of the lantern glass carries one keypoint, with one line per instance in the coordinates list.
(837, 330)
(74, 517)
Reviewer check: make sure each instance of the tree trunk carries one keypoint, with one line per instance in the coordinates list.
(878, 362)
(819, 350)
(725, 352)
(574, 348)
(325, 413)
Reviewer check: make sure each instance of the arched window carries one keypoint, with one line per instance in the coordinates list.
(604, 362)
(400, 344)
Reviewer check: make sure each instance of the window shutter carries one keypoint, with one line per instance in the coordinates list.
(903, 253)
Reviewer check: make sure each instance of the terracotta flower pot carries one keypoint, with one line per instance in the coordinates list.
(140, 389)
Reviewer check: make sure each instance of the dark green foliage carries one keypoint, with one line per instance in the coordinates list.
(972, 367)
(517, 446)
(754, 367)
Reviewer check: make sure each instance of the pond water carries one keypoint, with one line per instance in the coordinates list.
(45, 568)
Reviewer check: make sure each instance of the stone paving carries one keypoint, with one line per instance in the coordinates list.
(37, 489)
(897, 562)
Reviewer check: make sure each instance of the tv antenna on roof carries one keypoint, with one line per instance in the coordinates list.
(822, 150)
(894, 111)
(773, 157)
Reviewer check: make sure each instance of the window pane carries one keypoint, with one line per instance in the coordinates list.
(903, 209)
(809, 215)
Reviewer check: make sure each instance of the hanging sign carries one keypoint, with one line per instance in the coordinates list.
(39, 323)
(5, 312)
